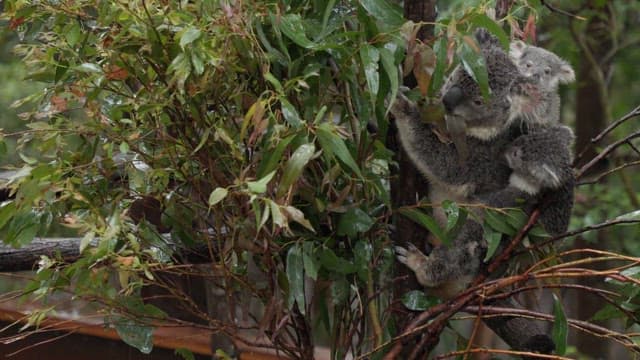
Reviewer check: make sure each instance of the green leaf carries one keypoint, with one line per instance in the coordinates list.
(260, 186)
(333, 263)
(189, 35)
(426, 222)
(310, 261)
(631, 216)
(417, 300)
(218, 195)
(363, 253)
(339, 291)
(384, 11)
(388, 64)
(295, 277)
(493, 239)
(354, 221)
(453, 213)
(370, 57)
(437, 78)
(297, 215)
(186, 354)
(333, 144)
(89, 68)
(560, 327)
(7, 211)
(498, 221)
(271, 158)
(23, 228)
(136, 335)
(607, 312)
(290, 113)
(291, 25)
(274, 82)
(482, 20)
(474, 64)
(294, 166)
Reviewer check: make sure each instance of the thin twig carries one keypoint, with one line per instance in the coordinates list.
(561, 11)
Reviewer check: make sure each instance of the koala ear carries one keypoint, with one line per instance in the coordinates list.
(485, 38)
(566, 74)
(516, 49)
(566, 134)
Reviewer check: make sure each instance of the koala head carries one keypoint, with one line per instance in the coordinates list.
(544, 67)
(463, 101)
(540, 161)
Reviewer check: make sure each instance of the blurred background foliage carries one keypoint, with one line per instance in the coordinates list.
(247, 126)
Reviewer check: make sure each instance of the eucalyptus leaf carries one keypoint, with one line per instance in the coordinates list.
(295, 277)
(295, 165)
(137, 335)
(560, 329)
(353, 222)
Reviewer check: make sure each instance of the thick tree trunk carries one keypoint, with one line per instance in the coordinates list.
(408, 185)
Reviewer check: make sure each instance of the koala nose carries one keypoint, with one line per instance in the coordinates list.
(452, 98)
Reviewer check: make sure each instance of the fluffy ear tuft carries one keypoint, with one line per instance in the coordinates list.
(566, 74)
(516, 49)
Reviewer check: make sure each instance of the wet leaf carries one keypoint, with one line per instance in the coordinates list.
(290, 113)
(217, 195)
(136, 335)
(295, 277)
(493, 239)
(260, 186)
(292, 26)
(385, 11)
(294, 166)
(333, 144)
(189, 35)
(370, 57)
(498, 221)
(560, 327)
(354, 221)
(417, 300)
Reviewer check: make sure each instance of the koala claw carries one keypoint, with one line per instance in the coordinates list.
(411, 256)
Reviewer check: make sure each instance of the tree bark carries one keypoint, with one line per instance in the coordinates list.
(68, 249)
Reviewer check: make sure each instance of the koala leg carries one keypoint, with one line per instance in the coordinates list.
(448, 269)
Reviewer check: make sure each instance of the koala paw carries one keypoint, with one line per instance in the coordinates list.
(411, 256)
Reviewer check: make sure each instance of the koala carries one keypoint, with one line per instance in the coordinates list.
(485, 121)
(508, 166)
(547, 71)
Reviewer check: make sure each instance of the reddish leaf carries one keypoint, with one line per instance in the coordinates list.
(15, 22)
(59, 103)
(115, 72)
(530, 29)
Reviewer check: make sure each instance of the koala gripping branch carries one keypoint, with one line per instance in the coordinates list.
(444, 311)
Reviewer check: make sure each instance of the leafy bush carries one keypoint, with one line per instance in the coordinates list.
(245, 122)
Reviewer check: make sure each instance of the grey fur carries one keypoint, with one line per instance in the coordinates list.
(547, 71)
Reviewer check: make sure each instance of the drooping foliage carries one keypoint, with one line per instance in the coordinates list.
(253, 131)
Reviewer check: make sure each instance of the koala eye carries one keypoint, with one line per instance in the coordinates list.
(529, 64)
(547, 71)
(477, 102)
